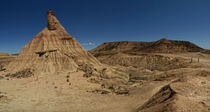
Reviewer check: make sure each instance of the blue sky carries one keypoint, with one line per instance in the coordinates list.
(93, 22)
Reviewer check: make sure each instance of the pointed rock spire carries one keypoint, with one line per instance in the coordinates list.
(52, 50)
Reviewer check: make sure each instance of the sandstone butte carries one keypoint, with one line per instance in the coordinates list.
(52, 50)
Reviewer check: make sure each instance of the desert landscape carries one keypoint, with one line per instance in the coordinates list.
(54, 73)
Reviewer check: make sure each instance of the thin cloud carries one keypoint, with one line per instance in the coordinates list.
(88, 44)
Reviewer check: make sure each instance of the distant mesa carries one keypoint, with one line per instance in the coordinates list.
(7, 54)
(161, 46)
(5, 58)
(4, 54)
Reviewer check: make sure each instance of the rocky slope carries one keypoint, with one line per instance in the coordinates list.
(148, 61)
(146, 54)
(186, 94)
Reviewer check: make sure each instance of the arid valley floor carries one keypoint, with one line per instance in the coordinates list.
(53, 73)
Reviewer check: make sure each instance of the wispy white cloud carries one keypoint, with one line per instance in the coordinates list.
(88, 44)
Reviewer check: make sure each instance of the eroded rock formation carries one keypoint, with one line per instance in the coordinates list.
(52, 50)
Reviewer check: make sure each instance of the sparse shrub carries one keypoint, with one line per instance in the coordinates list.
(21, 74)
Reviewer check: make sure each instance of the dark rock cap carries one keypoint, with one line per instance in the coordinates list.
(51, 20)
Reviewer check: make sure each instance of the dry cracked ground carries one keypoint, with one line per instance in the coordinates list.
(173, 89)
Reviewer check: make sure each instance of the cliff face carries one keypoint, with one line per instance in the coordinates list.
(160, 46)
(53, 49)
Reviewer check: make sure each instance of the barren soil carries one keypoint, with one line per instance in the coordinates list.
(71, 92)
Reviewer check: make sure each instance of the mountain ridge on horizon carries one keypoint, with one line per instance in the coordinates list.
(160, 46)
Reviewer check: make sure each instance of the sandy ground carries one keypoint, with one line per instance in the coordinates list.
(53, 93)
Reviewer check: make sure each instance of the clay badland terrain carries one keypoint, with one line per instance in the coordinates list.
(53, 73)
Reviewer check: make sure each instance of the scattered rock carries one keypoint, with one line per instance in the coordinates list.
(94, 80)
(121, 91)
(3, 97)
(87, 75)
(87, 69)
(100, 91)
(204, 73)
(2, 68)
(21, 74)
(1, 77)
